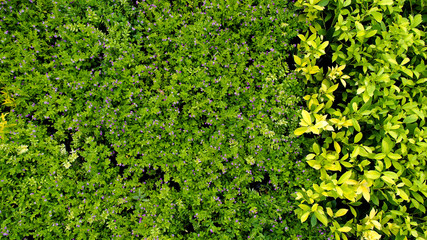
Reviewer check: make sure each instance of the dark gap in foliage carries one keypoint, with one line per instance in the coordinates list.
(29, 237)
(171, 5)
(5, 108)
(260, 186)
(93, 63)
(133, 3)
(250, 62)
(40, 59)
(180, 106)
(325, 61)
(122, 169)
(215, 217)
(174, 185)
(203, 123)
(20, 175)
(103, 28)
(150, 174)
(49, 125)
(188, 228)
(200, 5)
(290, 58)
(113, 160)
(68, 141)
(130, 210)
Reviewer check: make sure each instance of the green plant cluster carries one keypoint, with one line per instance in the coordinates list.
(369, 112)
(153, 120)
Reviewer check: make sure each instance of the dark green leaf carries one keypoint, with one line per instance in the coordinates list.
(313, 220)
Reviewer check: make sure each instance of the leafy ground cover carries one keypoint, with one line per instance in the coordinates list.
(151, 120)
(154, 120)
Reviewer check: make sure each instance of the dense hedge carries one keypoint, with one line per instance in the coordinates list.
(157, 119)
(370, 114)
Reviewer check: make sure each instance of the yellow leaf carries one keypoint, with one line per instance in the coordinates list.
(402, 194)
(304, 207)
(313, 70)
(306, 116)
(355, 152)
(339, 191)
(365, 192)
(305, 216)
(297, 60)
(361, 90)
(337, 147)
(329, 211)
(355, 107)
(346, 176)
(314, 164)
(405, 61)
(333, 167)
(341, 212)
(300, 131)
(372, 174)
(314, 130)
(345, 229)
(314, 207)
(387, 180)
(376, 224)
(372, 213)
(358, 137)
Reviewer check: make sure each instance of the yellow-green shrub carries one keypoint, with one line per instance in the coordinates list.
(372, 149)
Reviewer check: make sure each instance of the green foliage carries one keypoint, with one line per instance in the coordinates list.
(371, 153)
(181, 105)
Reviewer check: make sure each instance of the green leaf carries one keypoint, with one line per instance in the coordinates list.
(345, 177)
(417, 196)
(304, 207)
(385, 2)
(316, 148)
(371, 89)
(385, 146)
(375, 199)
(388, 180)
(391, 60)
(354, 105)
(346, 3)
(373, 174)
(380, 156)
(410, 119)
(358, 137)
(313, 220)
(321, 217)
(377, 16)
(417, 20)
(323, 3)
(407, 182)
(356, 124)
